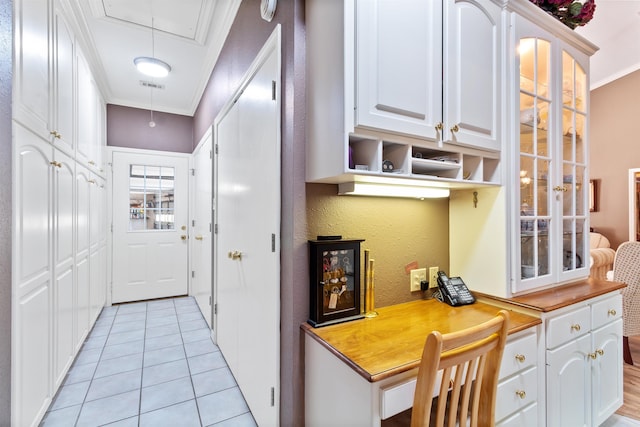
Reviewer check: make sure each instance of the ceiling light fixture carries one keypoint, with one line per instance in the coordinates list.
(152, 66)
(408, 191)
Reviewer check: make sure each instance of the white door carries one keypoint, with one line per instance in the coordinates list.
(202, 243)
(247, 250)
(150, 235)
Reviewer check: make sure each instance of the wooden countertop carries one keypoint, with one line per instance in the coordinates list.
(565, 295)
(392, 342)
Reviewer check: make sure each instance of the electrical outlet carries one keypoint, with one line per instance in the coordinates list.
(433, 277)
(417, 275)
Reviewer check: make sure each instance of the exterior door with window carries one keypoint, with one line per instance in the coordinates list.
(150, 233)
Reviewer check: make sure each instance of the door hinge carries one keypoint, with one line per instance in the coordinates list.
(273, 242)
(209, 299)
(111, 227)
(193, 172)
(215, 308)
(216, 148)
(210, 154)
(193, 222)
(273, 396)
(273, 90)
(215, 229)
(209, 227)
(193, 273)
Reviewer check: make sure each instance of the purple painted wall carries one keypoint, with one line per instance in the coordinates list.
(129, 127)
(248, 34)
(6, 75)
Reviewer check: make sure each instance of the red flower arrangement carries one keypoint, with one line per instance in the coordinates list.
(572, 13)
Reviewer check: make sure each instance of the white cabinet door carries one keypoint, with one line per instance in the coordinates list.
(32, 188)
(86, 112)
(63, 85)
(607, 384)
(64, 264)
(472, 77)
(569, 384)
(32, 46)
(83, 201)
(399, 66)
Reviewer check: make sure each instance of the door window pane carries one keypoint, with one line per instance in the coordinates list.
(151, 198)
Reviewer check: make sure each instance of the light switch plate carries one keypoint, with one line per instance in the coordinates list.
(417, 276)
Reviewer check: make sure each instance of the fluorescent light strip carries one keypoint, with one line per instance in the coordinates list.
(368, 189)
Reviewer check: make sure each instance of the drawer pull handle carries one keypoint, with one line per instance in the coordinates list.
(521, 394)
(520, 358)
(612, 312)
(575, 327)
(593, 356)
(600, 352)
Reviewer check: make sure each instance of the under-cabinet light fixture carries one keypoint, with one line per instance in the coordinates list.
(383, 190)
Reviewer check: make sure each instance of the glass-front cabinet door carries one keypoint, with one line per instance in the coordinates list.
(552, 170)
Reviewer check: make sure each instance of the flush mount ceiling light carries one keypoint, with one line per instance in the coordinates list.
(152, 67)
(371, 189)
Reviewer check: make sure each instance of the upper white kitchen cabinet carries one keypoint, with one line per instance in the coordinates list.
(429, 69)
(44, 89)
(409, 82)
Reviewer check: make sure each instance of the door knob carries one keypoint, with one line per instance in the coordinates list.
(183, 237)
(235, 255)
(199, 237)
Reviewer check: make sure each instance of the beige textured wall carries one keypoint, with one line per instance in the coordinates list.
(396, 231)
(614, 149)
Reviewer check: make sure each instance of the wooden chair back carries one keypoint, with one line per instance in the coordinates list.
(470, 363)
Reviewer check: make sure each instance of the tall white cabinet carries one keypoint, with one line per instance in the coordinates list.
(59, 234)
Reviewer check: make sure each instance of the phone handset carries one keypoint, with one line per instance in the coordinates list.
(453, 290)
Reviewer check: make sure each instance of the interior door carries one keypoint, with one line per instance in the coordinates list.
(202, 243)
(150, 235)
(248, 221)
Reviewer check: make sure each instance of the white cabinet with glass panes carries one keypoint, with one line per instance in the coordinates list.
(549, 159)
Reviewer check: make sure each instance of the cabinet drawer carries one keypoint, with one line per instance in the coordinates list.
(528, 417)
(568, 326)
(519, 354)
(606, 311)
(516, 393)
(397, 398)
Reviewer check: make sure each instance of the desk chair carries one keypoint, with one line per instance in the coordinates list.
(470, 362)
(626, 269)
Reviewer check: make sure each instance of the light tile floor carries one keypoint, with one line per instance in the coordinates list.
(149, 364)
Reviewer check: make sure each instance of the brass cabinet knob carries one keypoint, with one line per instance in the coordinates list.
(521, 394)
(199, 237)
(439, 126)
(600, 352)
(55, 134)
(183, 237)
(560, 188)
(92, 163)
(575, 327)
(612, 312)
(593, 356)
(455, 128)
(235, 255)
(520, 358)
(56, 164)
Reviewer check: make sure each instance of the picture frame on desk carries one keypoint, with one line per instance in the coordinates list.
(334, 279)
